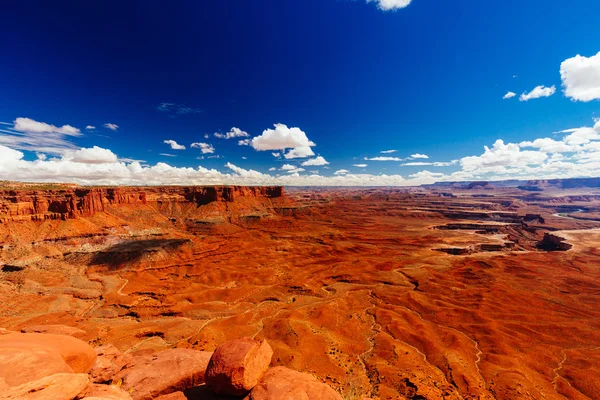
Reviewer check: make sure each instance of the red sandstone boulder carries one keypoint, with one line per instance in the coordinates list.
(236, 366)
(147, 377)
(76, 353)
(109, 363)
(281, 383)
(54, 387)
(21, 365)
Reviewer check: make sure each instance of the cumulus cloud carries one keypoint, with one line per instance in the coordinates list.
(281, 138)
(390, 5)
(418, 155)
(233, 133)
(244, 142)
(509, 95)
(317, 161)
(174, 145)
(388, 151)
(174, 110)
(299, 152)
(537, 92)
(206, 148)
(112, 127)
(276, 155)
(502, 155)
(581, 77)
(95, 155)
(341, 172)
(90, 127)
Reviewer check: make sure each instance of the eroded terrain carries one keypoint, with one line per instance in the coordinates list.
(388, 293)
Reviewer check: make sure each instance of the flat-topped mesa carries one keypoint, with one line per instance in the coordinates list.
(39, 204)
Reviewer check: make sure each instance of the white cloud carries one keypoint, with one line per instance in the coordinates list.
(90, 127)
(288, 167)
(299, 152)
(28, 134)
(95, 155)
(388, 151)
(537, 92)
(41, 156)
(276, 155)
(384, 159)
(204, 147)
(233, 133)
(581, 78)
(317, 161)
(32, 126)
(509, 95)
(174, 145)
(548, 145)
(281, 138)
(112, 127)
(502, 155)
(341, 172)
(272, 169)
(426, 163)
(417, 155)
(206, 136)
(167, 155)
(244, 142)
(389, 5)
(360, 165)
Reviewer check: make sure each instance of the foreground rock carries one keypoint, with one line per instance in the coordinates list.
(54, 387)
(281, 383)
(26, 357)
(109, 363)
(237, 366)
(147, 377)
(77, 354)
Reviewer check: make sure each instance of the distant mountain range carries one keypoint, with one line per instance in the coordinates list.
(532, 185)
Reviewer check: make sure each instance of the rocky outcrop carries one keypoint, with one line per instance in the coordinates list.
(68, 203)
(237, 366)
(147, 377)
(281, 383)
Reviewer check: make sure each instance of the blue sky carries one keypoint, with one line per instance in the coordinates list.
(354, 77)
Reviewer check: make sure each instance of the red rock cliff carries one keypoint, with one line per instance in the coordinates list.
(38, 205)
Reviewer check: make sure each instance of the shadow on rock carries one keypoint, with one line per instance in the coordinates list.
(133, 250)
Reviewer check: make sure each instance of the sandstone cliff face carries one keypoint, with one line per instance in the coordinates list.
(39, 205)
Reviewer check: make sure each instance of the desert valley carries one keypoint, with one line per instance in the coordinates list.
(449, 291)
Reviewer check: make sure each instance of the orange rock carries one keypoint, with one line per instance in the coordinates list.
(281, 383)
(236, 366)
(54, 387)
(172, 396)
(55, 329)
(22, 365)
(169, 371)
(111, 392)
(76, 353)
(110, 362)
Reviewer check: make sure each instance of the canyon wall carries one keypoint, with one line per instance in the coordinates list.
(39, 205)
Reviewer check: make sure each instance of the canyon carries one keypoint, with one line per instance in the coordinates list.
(475, 291)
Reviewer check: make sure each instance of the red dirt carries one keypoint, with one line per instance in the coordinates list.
(358, 287)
